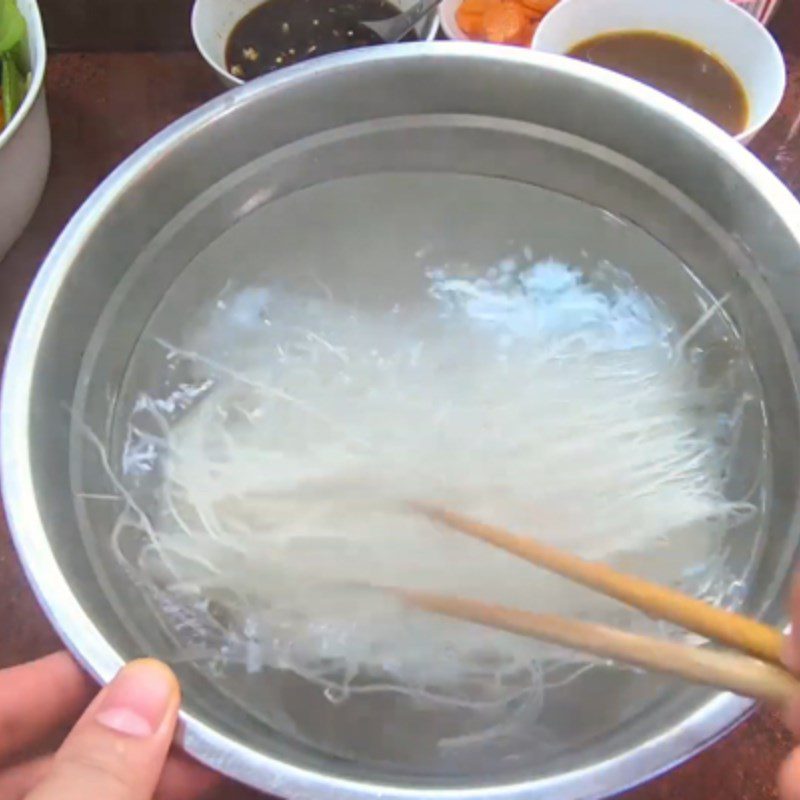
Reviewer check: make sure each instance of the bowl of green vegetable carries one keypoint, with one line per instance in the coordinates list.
(24, 127)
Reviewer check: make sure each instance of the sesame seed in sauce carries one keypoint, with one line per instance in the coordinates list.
(281, 32)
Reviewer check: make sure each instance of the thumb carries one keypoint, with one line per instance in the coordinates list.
(117, 749)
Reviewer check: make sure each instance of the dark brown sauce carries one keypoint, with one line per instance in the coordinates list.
(677, 67)
(279, 33)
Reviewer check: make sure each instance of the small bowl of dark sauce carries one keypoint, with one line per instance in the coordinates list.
(244, 39)
(709, 54)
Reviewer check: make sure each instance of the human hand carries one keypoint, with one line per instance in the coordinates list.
(119, 748)
(789, 779)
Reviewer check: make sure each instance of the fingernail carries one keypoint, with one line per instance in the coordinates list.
(136, 702)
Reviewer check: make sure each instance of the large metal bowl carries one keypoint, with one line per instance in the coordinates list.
(428, 109)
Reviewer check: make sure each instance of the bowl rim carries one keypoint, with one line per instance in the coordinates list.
(228, 78)
(447, 20)
(201, 48)
(38, 46)
(710, 721)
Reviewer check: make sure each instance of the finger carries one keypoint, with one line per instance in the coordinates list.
(185, 779)
(118, 748)
(791, 716)
(182, 779)
(791, 642)
(16, 782)
(789, 777)
(38, 697)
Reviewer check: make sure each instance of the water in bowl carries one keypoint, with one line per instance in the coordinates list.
(375, 243)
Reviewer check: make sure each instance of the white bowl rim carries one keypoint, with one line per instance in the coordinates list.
(454, 32)
(200, 45)
(35, 33)
(731, 7)
(227, 76)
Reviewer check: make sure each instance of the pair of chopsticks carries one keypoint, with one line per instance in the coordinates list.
(757, 674)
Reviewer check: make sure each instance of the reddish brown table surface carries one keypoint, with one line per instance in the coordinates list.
(102, 106)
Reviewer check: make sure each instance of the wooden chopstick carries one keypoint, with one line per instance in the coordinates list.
(727, 627)
(737, 673)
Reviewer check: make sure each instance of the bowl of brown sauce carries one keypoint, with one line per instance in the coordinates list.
(244, 39)
(708, 54)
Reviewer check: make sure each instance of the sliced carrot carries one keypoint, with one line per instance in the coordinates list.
(526, 35)
(499, 21)
(540, 7)
(531, 16)
(503, 23)
(469, 17)
(470, 24)
(473, 6)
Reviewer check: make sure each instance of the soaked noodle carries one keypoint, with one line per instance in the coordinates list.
(534, 398)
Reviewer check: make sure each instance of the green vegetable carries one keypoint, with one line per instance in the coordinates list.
(13, 31)
(12, 26)
(13, 87)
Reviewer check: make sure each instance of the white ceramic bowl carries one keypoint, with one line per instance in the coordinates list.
(25, 141)
(719, 26)
(213, 21)
(447, 19)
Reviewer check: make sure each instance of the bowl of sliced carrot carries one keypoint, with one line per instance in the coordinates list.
(495, 21)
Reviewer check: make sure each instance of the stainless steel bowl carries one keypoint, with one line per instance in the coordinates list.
(418, 109)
